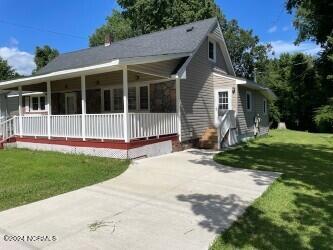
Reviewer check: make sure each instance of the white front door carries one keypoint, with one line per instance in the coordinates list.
(222, 102)
(70, 103)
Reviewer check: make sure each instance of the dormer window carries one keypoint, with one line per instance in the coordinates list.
(211, 50)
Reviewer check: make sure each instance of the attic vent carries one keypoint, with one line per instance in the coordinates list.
(189, 29)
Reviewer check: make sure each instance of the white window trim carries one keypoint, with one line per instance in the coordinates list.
(39, 109)
(117, 86)
(251, 101)
(216, 100)
(265, 106)
(214, 50)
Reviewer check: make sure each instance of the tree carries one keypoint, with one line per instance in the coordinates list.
(313, 20)
(247, 53)
(150, 15)
(295, 81)
(116, 25)
(324, 117)
(43, 55)
(6, 71)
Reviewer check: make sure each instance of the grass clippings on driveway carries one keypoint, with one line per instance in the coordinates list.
(296, 212)
(27, 176)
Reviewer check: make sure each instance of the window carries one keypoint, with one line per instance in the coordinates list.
(265, 106)
(144, 98)
(132, 98)
(211, 50)
(107, 100)
(118, 99)
(37, 103)
(223, 100)
(138, 98)
(248, 101)
(42, 102)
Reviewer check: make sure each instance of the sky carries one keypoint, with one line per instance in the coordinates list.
(67, 24)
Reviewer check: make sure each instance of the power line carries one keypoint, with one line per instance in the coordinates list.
(42, 30)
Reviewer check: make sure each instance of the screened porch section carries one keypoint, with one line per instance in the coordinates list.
(118, 105)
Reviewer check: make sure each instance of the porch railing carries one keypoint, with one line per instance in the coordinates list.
(98, 126)
(152, 124)
(7, 129)
(66, 126)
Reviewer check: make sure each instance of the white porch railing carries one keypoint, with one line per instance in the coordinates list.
(34, 125)
(66, 126)
(152, 124)
(98, 126)
(7, 129)
(105, 126)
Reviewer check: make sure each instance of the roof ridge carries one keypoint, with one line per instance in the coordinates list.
(143, 35)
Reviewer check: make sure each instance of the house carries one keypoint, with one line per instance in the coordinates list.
(142, 96)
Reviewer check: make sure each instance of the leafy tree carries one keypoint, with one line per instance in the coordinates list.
(313, 19)
(43, 55)
(324, 117)
(6, 71)
(295, 81)
(247, 53)
(116, 25)
(166, 13)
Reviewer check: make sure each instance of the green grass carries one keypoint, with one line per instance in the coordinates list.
(27, 176)
(296, 212)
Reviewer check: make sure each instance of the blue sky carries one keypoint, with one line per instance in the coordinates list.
(66, 25)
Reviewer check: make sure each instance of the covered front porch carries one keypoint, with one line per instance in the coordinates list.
(123, 103)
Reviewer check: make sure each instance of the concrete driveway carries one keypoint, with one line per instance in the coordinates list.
(177, 201)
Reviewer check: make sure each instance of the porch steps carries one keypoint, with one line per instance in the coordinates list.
(209, 139)
(8, 140)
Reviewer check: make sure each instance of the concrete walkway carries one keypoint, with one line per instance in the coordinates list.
(177, 201)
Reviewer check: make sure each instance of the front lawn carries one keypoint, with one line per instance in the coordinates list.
(296, 212)
(27, 176)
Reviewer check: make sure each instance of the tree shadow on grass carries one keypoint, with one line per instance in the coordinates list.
(206, 158)
(218, 213)
(307, 171)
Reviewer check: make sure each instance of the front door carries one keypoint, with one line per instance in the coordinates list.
(222, 102)
(70, 103)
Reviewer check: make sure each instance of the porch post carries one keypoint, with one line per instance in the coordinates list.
(49, 109)
(83, 104)
(20, 111)
(125, 103)
(178, 108)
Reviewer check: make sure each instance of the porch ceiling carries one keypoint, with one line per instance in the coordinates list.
(134, 64)
(92, 81)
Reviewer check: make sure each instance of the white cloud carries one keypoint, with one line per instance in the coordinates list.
(21, 61)
(272, 29)
(13, 42)
(286, 28)
(280, 47)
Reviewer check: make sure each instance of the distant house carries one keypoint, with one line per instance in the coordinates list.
(142, 96)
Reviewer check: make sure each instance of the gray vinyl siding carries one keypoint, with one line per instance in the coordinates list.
(245, 118)
(197, 94)
(217, 31)
(165, 68)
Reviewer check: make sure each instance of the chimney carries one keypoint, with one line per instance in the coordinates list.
(108, 40)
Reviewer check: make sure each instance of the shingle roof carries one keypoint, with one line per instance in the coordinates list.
(180, 39)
